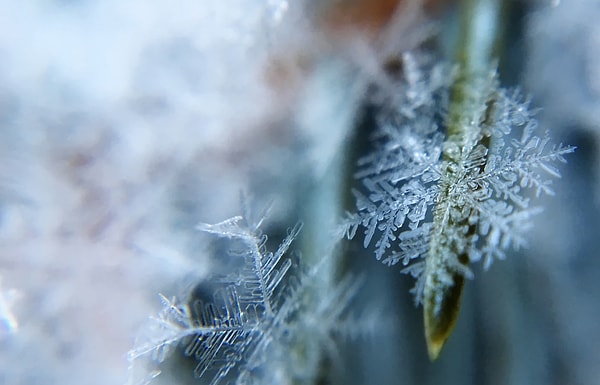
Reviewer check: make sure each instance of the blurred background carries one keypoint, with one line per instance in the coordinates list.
(125, 123)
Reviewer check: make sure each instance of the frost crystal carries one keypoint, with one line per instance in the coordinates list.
(458, 197)
(244, 333)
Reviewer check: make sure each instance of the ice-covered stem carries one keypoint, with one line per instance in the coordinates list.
(448, 260)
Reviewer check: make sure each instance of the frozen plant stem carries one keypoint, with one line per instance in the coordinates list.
(472, 179)
(444, 279)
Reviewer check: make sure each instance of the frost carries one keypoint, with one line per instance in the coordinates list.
(453, 196)
(243, 334)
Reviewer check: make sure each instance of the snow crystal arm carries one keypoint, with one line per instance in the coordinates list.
(228, 228)
(265, 270)
(271, 276)
(387, 209)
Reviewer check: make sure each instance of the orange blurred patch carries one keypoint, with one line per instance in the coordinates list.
(336, 22)
(370, 16)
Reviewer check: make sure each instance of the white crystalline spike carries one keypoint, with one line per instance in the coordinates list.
(418, 212)
(228, 228)
(553, 171)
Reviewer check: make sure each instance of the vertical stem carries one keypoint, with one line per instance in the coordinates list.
(322, 201)
(447, 260)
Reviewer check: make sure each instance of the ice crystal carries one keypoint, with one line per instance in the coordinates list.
(243, 335)
(459, 196)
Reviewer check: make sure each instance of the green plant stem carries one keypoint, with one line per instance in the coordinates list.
(444, 277)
